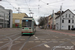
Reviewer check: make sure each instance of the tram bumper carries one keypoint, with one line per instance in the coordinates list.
(27, 32)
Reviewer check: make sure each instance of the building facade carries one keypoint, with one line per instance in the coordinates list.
(65, 21)
(49, 20)
(10, 18)
(17, 18)
(4, 17)
(52, 21)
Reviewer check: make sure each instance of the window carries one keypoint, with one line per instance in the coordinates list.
(63, 16)
(69, 15)
(1, 20)
(72, 21)
(72, 16)
(62, 21)
(66, 15)
(26, 23)
(68, 21)
(72, 26)
(1, 16)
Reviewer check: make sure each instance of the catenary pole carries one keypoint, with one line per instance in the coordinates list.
(60, 15)
(53, 20)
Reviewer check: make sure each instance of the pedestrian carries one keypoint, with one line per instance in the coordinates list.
(16, 25)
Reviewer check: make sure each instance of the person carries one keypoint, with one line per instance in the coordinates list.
(16, 25)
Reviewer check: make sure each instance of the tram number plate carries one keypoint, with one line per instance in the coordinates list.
(26, 28)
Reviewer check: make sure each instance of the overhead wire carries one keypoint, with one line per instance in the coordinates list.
(51, 2)
(28, 5)
(12, 5)
(37, 5)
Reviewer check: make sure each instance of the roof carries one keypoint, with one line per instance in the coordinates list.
(63, 13)
(1, 7)
(19, 15)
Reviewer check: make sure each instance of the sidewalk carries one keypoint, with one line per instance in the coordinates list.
(69, 32)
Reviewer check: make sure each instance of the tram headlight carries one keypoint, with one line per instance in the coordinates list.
(29, 28)
(22, 28)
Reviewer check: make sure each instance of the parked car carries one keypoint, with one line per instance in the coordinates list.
(41, 27)
(72, 28)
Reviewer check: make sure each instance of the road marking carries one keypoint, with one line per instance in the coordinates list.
(73, 43)
(47, 39)
(55, 41)
(31, 41)
(70, 35)
(61, 41)
(68, 39)
(46, 46)
(35, 37)
(65, 34)
(37, 41)
(44, 41)
(1, 41)
(55, 36)
(22, 39)
(5, 39)
(17, 41)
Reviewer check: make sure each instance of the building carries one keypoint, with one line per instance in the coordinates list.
(65, 21)
(51, 22)
(17, 18)
(51, 19)
(10, 18)
(4, 17)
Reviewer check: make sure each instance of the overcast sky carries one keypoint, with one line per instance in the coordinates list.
(38, 7)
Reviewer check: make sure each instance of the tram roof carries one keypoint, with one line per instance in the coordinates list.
(27, 18)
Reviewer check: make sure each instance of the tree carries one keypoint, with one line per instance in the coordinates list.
(42, 21)
(35, 23)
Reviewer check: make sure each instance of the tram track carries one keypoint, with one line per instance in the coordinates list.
(21, 48)
(49, 42)
(61, 45)
(10, 41)
(9, 36)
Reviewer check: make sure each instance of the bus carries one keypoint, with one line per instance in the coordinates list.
(28, 26)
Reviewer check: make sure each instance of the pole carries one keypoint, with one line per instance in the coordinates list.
(53, 20)
(60, 15)
(4, 21)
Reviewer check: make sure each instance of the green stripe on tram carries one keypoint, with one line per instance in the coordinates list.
(27, 33)
(26, 28)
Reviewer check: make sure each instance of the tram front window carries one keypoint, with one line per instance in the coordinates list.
(26, 23)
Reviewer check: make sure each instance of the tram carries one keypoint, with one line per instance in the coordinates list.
(28, 26)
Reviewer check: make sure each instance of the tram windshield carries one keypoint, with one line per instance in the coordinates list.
(26, 23)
